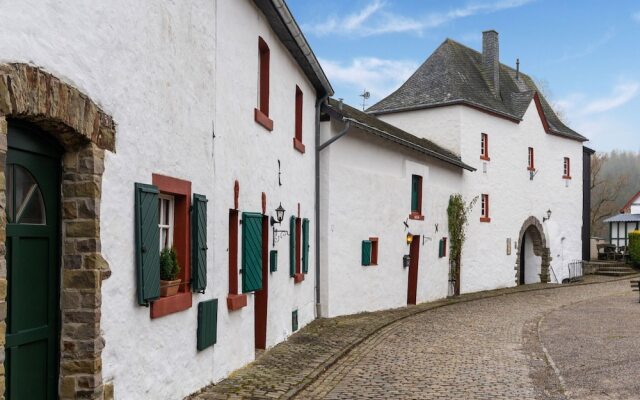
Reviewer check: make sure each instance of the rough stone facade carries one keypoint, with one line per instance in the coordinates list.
(85, 131)
(540, 248)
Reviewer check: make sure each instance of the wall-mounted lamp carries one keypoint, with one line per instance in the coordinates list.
(409, 238)
(548, 217)
(277, 234)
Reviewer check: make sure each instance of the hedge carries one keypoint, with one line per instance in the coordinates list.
(634, 247)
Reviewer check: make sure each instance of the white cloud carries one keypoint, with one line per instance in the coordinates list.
(375, 19)
(378, 76)
(622, 94)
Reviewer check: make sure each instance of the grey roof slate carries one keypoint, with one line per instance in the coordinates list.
(371, 124)
(453, 74)
(624, 218)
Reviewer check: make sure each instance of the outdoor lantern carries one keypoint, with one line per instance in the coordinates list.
(548, 217)
(406, 261)
(409, 238)
(279, 215)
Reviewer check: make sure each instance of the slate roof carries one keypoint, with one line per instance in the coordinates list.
(453, 74)
(623, 218)
(373, 125)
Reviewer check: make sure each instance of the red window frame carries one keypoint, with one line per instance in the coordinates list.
(444, 247)
(261, 113)
(181, 192)
(484, 147)
(484, 208)
(299, 276)
(417, 214)
(235, 300)
(566, 168)
(531, 164)
(374, 250)
(297, 139)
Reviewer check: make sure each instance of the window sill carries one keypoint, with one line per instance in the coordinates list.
(485, 158)
(531, 169)
(263, 119)
(298, 145)
(236, 301)
(566, 177)
(297, 278)
(485, 219)
(169, 305)
(416, 216)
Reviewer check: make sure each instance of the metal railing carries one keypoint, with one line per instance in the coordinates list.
(575, 271)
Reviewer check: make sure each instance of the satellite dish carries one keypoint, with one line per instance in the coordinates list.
(366, 95)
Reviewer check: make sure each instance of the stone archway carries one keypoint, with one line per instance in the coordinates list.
(85, 131)
(534, 230)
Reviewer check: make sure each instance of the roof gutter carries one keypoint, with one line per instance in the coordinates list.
(303, 45)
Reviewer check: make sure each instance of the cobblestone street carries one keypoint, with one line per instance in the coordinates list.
(486, 348)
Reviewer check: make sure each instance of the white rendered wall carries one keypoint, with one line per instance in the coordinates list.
(513, 196)
(366, 192)
(170, 73)
(635, 207)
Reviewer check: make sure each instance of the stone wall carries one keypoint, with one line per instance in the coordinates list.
(85, 132)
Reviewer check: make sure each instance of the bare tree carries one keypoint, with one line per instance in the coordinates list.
(545, 90)
(605, 190)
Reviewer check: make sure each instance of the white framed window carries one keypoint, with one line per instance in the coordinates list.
(484, 146)
(165, 220)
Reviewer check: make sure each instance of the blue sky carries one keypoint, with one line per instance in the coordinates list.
(587, 52)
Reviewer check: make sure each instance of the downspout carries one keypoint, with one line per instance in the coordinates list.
(318, 148)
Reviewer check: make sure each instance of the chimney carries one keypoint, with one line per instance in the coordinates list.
(491, 59)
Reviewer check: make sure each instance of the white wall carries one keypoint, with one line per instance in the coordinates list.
(366, 192)
(171, 73)
(635, 207)
(532, 263)
(513, 196)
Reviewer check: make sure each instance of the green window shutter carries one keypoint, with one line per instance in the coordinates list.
(251, 252)
(147, 243)
(207, 323)
(441, 248)
(366, 252)
(199, 243)
(305, 245)
(292, 246)
(273, 260)
(415, 191)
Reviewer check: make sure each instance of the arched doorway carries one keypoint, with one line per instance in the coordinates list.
(59, 236)
(33, 244)
(533, 255)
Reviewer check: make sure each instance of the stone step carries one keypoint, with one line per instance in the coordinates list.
(616, 269)
(615, 273)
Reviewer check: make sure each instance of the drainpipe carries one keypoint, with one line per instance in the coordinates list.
(320, 147)
(319, 103)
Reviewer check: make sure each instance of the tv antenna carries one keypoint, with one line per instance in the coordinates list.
(365, 96)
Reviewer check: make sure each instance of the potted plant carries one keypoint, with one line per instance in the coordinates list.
(169, 270)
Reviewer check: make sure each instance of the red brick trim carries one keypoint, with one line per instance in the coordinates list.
(236, 194)
(566, 177)
(298, 277)
(374, 250)
(485, 219)
(236, 301)
(485, 158)
(543, 117)
(181, 190)
(298, 145)
(416, 216)
(263, 120)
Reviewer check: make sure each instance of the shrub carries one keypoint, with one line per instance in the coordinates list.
(634, 247)
(169, 268)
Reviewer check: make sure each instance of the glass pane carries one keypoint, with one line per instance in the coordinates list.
(29, 204)
(9, 180)
(167, 203)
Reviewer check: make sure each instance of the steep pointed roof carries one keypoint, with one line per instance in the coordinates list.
(453, 74)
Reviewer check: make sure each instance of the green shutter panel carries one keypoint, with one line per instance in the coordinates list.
(147, 243)
(366, 252)
(273, 260)
(292, 246)
(199, 243)
(251, 252)
(305, 245)
(207, 323)
(441, 248)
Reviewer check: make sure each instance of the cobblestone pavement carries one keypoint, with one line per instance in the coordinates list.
(488, 347)
(596, 347)
(472, 350)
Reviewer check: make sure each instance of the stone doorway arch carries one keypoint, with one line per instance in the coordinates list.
(85, 131)
(535, 232)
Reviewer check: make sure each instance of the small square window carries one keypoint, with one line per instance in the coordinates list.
(567, 168)
(484, 208)
(531, 166)
(484, 147)
(165, 220)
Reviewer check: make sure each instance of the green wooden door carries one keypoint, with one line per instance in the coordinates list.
(33, 190)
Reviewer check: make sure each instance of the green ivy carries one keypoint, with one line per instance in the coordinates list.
(634, 247)
(457, 212)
